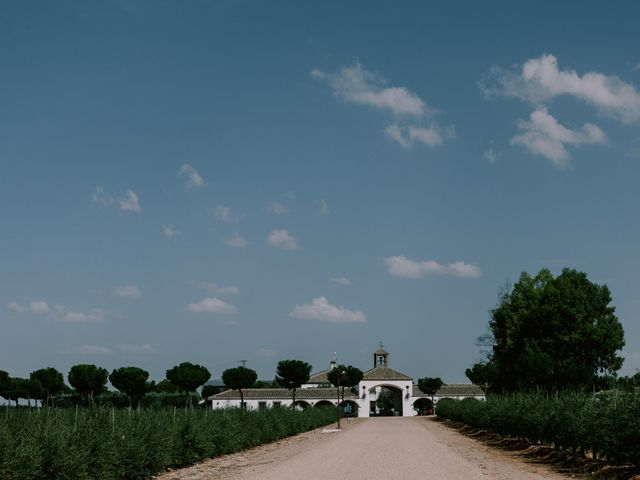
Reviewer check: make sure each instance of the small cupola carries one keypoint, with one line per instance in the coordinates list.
(380, 358)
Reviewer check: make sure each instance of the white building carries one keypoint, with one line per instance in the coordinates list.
(361, 401)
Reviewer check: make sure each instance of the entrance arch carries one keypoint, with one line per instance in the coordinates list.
(387, 400)
(349, 408)
(301, 405)
(324, 404)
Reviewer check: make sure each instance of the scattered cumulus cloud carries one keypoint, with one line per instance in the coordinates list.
(356, 85)
(540, 80)
(191, 176)
(36, 306)
(490, 155)
(340, 282)
(127, 291)
(63, 314)
(277, 208)
(237, 241)
(213, 306)
(282, 239)
(544, 135)
(323, 208)
(407, 136)
(169, 231)
(130, 202)
(404, 267)
(320, 309)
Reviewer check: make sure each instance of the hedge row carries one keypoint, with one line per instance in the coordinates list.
(607, 426)
(105, 444)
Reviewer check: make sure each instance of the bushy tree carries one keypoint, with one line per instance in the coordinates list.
(16, 389)
(188, 376)
(291, 374)
(348, 375)
(88, 380)
(481, 374)
(430, 386)
(553, 333)
(51, 380)
(239, 378)
(164, 386)
(4, 382)
(132, 381)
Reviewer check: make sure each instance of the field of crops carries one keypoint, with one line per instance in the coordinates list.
(106, 443)
(606, 426)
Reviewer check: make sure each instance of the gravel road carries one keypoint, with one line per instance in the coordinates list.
(370, 449)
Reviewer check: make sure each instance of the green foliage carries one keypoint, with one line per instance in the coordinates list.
(209, 390)
(553, 333)
(348, 375)
(17, 388)
(132, 381)
(188, 376)
(481, 374)
(88, 380)
(165, 386)
(430, 385)
(291, 374)
(4, 381)
(107, 444)
(51, 381)
(606, 425)
(264, 384)
(385, 402)
(238, 378)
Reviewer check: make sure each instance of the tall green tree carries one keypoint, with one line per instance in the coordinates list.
(52, 382)
(16, 389)
(348, 375)
(188, 376)
(4, 382)
(291, 374)
(88, 380)
(132, 381)
(553, 333)
(239, 378)
(430, 386)
(481, 374)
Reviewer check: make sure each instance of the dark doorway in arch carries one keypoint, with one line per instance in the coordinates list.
(324, 404)
(301, 405)
(423, 406)
(349, 408)
(389, 402)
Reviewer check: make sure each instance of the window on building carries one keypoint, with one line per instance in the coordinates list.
(277, 404)
(262, 405)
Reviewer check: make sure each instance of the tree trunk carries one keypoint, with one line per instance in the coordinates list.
(242, 405)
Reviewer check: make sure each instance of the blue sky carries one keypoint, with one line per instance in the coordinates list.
(212, 181)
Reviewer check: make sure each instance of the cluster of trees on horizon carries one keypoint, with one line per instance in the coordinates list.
(552, 334)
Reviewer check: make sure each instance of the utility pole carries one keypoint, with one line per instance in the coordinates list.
(243, 362)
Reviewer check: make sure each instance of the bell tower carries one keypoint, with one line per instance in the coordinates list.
(380, 357)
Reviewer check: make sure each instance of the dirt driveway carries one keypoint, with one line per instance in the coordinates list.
(370, 449)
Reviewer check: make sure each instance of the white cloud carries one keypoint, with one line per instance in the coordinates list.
(130, 202)
(90, 350)
(281, 239)
(323, 209)
(277, 208)
(540, 80)
(237, 241)
(130, 291)
(402, 266)
(100, 198)
(321, 309)
(169, 231)
(143, 348)
(543, 135)
(16, 307)
(193, 178)
(39, 306)
(490, 155)
(407, 136)
(212, 305)
(222, 213)
(356, 85)
(63, 314)
(340, 281)
(214, 289)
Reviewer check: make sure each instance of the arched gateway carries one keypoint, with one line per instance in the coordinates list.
(382, 391)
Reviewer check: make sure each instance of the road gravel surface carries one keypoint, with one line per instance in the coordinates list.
(369, 449)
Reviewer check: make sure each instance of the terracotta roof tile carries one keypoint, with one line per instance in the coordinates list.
(385, 373)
